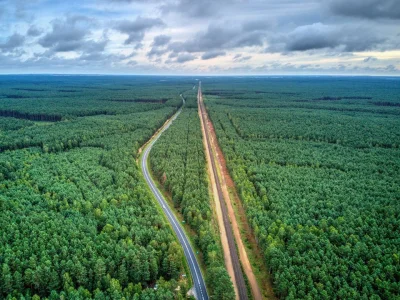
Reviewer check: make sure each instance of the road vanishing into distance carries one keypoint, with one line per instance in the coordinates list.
(239, 278)
(198, 280)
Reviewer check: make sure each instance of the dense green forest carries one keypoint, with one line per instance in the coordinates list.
(316, 162)
(56, 98)
(178, 161)
(76, 217)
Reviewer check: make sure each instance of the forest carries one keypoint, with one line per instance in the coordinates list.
(77, 220)
(178, 162)
(316, 164)
(315, 161)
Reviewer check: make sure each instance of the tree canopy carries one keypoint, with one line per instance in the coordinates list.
(316, 164)
(76, 217)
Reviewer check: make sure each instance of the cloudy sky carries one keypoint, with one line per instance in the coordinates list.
(200, 36)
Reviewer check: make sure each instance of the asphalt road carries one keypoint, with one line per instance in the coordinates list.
(198, 280)
(240, 283)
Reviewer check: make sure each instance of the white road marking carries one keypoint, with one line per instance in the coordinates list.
(177, 228)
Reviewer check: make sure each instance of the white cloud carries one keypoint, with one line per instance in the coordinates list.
(224, 36)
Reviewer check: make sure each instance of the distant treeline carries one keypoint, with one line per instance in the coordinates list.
(143, 100)
(29, 116)
(386, 104)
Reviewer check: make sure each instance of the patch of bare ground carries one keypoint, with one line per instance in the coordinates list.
(217, 208)
(251, 256)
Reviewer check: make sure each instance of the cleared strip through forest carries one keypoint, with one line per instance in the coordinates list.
(237, 278)
(250, 254)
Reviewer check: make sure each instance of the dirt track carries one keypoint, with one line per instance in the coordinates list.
(227, 235)
(224, 240)
(231, 198)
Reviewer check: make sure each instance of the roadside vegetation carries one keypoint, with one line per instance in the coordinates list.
(76, 218)
(316, 164)
(178, 161)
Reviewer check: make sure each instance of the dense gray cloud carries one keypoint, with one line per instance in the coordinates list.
(67, 34)
(391, 68)
(94, 46)
(34, 31)
(329, 33)
(159, 46)
(241, 58)
(137, 29)
(155, 51)
(310, 37)
(370, 59)
(320, 36)
(196, 9)
(371, 9)
(72, 34)
(134, 1)
(256, 25)
(212, 54)
(180, 58)
(14, 41)
(161, 40)
(221, 36)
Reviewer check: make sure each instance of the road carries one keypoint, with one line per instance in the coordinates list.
(198, 280)
(238, 274)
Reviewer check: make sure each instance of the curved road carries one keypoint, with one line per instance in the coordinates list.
(199, 285)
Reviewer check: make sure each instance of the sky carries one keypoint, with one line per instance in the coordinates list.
(201, 37)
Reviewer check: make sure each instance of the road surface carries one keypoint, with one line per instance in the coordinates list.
(238, 274)
(198, 280)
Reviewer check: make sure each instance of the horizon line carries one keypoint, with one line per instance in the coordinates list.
(201, 75)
